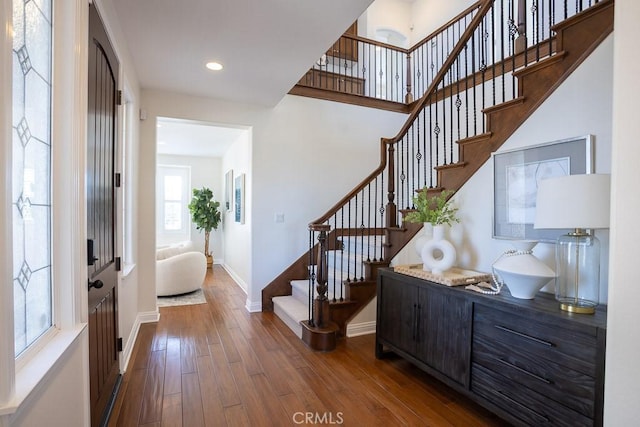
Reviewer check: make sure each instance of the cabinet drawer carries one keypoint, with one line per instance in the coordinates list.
(574, 348)
(530, 407)
(564, 385)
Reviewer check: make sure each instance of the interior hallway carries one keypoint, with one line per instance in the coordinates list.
(215, 364)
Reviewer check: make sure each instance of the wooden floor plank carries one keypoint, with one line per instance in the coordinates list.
(172, 410)
(211, 402)
(173, 370)
(224, 380)
(129, 413)
(192, 410)
(217, 365)
(152, 398)
(236, 416)
(187, 350)
(257, 413)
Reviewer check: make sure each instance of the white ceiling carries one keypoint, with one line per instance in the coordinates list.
(264, 45)
(191, 138)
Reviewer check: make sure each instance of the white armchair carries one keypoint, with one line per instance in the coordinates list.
(179, 270)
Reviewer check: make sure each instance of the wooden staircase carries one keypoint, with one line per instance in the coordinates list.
(575, 39)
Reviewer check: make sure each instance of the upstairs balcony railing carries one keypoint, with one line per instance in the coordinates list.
(369, 68)
(474, 74)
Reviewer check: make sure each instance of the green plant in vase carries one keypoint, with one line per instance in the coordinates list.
(434, 209)
(205, 215)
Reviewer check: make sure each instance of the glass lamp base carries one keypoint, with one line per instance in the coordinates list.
(578, 268)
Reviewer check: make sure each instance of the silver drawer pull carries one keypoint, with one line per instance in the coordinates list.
(524, 371)
(526, 408)
(520, 334)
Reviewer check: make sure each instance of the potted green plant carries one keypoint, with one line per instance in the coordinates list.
(434, 210)
(205, 215)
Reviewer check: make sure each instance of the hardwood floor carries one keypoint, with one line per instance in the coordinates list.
(215, 364)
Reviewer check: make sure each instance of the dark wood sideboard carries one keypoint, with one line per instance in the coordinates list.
(525, 360)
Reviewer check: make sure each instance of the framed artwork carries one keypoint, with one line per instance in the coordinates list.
(516, 174)
(228, 189)
(239, 198)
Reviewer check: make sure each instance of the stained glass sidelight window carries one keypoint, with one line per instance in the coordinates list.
(31, 170)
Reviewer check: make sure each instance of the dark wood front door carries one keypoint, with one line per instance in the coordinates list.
(101, 225)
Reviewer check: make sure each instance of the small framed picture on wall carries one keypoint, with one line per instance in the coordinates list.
(228, 189)
(239, 198)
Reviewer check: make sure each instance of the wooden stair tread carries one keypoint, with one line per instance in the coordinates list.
(535, 83)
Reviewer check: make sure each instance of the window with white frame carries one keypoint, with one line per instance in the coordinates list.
(173, 222)
(31, 171)
(126, 165)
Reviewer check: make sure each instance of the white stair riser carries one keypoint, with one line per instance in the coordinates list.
(291, 312)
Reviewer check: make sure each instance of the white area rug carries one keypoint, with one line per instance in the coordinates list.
(195, 297)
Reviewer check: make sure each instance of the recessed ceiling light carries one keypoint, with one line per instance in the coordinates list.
(214, 66)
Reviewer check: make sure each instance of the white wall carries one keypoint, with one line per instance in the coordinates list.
(429, 15)
(205, 172)
(580, 106)
(237, 236)
(385, 14)
(622, 385)
(59, 401)
(305, 154)
(415, 20)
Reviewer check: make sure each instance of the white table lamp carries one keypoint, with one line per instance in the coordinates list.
(577, 202)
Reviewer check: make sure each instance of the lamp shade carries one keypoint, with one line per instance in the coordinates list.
(573, 201)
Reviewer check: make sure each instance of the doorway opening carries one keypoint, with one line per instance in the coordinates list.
(194, 155)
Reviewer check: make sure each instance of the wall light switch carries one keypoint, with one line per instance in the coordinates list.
(279, 217)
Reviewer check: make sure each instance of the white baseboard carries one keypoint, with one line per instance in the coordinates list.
(144, 317)
(364, 328)
(236, 278)
(253, 306)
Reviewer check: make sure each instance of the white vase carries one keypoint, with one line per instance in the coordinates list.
(522, 272)
(425, 235)
(438, 254)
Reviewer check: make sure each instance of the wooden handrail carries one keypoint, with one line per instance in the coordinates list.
(421, 42)
(468, 32)
(383, 163)
(384, 142)
(448, 24)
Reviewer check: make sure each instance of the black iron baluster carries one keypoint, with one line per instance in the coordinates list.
(413, 157)
(513, 30)
(369, 224)
(406, 178)
(473, 82)
(375, 219)
(312, 276)
(348, 244)
(342, 239)
(335, 252)
(552, 11)
(431, 165)
(362, 231)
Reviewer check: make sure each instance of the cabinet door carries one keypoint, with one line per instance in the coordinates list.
(444, 333)
(397, 304)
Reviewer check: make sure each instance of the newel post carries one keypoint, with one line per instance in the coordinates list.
(521, 40)
(391, 218)
(408, 99)
(321, 303)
